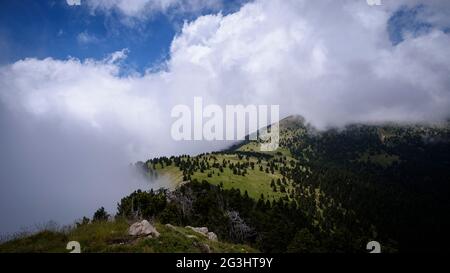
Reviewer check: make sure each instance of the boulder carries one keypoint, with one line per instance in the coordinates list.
(204, 231)
(212, 236)
(143, 228)
(201, 230)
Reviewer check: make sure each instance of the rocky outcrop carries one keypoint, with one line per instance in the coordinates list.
(143, 228)
(204, 231)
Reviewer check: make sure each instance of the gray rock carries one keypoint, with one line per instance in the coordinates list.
(204, 231)
(201, 230)
(143, 228)
(212, 236)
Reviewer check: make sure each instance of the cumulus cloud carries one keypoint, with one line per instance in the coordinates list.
(330, 61)
(143, 8)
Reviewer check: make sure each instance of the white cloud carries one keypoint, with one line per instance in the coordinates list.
(86, 38)
(332, 63)
(73, 2)
(143, 8)
(117, 56)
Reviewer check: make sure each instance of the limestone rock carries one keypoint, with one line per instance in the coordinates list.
(212, 236)
(201, 230)
(143, 228)
(204, 231)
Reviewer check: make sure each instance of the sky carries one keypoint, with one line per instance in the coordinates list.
(87, 86)
(92, 29)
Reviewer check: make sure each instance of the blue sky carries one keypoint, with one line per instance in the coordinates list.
(407, 20)
(41, 29)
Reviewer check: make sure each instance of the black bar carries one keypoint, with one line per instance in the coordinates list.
(225, 262)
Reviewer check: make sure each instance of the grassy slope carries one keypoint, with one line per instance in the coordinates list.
(173, 175)
(112, 237)
(255, 182)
